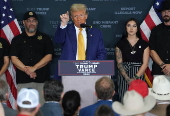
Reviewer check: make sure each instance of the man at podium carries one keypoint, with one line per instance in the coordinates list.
(79, 42)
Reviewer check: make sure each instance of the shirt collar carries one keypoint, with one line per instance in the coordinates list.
(24, 34)
(104, 100)
(77, 29)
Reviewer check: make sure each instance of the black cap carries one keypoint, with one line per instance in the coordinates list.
(165, 5)
(29, 14)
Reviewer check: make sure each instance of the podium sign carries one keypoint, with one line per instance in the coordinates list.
(85, 67)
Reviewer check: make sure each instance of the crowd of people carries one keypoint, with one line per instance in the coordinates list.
(38, 95)
(138, 100)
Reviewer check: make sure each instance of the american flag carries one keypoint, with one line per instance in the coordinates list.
(152, 19)
(8, 29)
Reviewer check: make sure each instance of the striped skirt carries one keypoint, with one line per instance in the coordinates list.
(131, 69)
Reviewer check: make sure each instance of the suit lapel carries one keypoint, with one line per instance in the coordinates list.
(73, 38)
(89, 43)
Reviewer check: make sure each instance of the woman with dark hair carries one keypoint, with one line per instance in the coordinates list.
(132, 56)
(71, 103)
(104, 110)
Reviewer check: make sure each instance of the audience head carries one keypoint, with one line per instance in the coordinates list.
(161, 88)
(104, 88)
(165, 7)
(3, 91)
(134, 104)
(135, 25)
(104, 110)
(71, 103)
(79, 14)
(139, 86)
(52, 90)
(30, 14)
(30, 21)
(28, 100)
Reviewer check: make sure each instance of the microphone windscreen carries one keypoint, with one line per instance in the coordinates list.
(85, 25)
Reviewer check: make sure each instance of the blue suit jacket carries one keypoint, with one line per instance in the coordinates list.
(51, 109)
(67, 37)
(90, 110)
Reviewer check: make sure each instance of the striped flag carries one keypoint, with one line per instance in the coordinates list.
(8, 29)
(152, 19)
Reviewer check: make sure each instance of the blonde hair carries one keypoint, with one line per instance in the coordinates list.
(78, 7)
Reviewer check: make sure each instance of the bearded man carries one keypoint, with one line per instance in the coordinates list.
(159, 43)
(31, 52)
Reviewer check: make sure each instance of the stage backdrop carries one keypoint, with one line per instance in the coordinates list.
(107, 15)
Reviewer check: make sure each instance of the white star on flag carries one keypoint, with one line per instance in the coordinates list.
(4, 7)
(157, 3)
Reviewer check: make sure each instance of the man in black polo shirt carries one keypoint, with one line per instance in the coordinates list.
(160, 43)
(4, 57)
(31, 53)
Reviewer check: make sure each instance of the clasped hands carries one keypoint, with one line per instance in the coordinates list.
(29, 70)
(166, 69)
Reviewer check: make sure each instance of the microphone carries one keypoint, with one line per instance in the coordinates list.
(85, 25)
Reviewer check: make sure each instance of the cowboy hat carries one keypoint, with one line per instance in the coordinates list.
(165, 6)
(161, 88)
(134, 103)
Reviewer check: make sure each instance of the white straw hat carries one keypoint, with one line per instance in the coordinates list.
(134, 104)
(161, 88)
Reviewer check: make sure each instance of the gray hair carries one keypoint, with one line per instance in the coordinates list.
(3, 90)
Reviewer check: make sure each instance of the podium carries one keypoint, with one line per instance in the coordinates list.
(85, 85)
(82, 80)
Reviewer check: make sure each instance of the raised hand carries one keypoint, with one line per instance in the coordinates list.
(64, 18)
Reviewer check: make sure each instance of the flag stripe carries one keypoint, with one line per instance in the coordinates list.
(2, 34)
(143, 36)
(18, 27)
(145, 29)
(8, 29)
(14, 28)
(8, 33)
(149, 22)
(154, 17)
